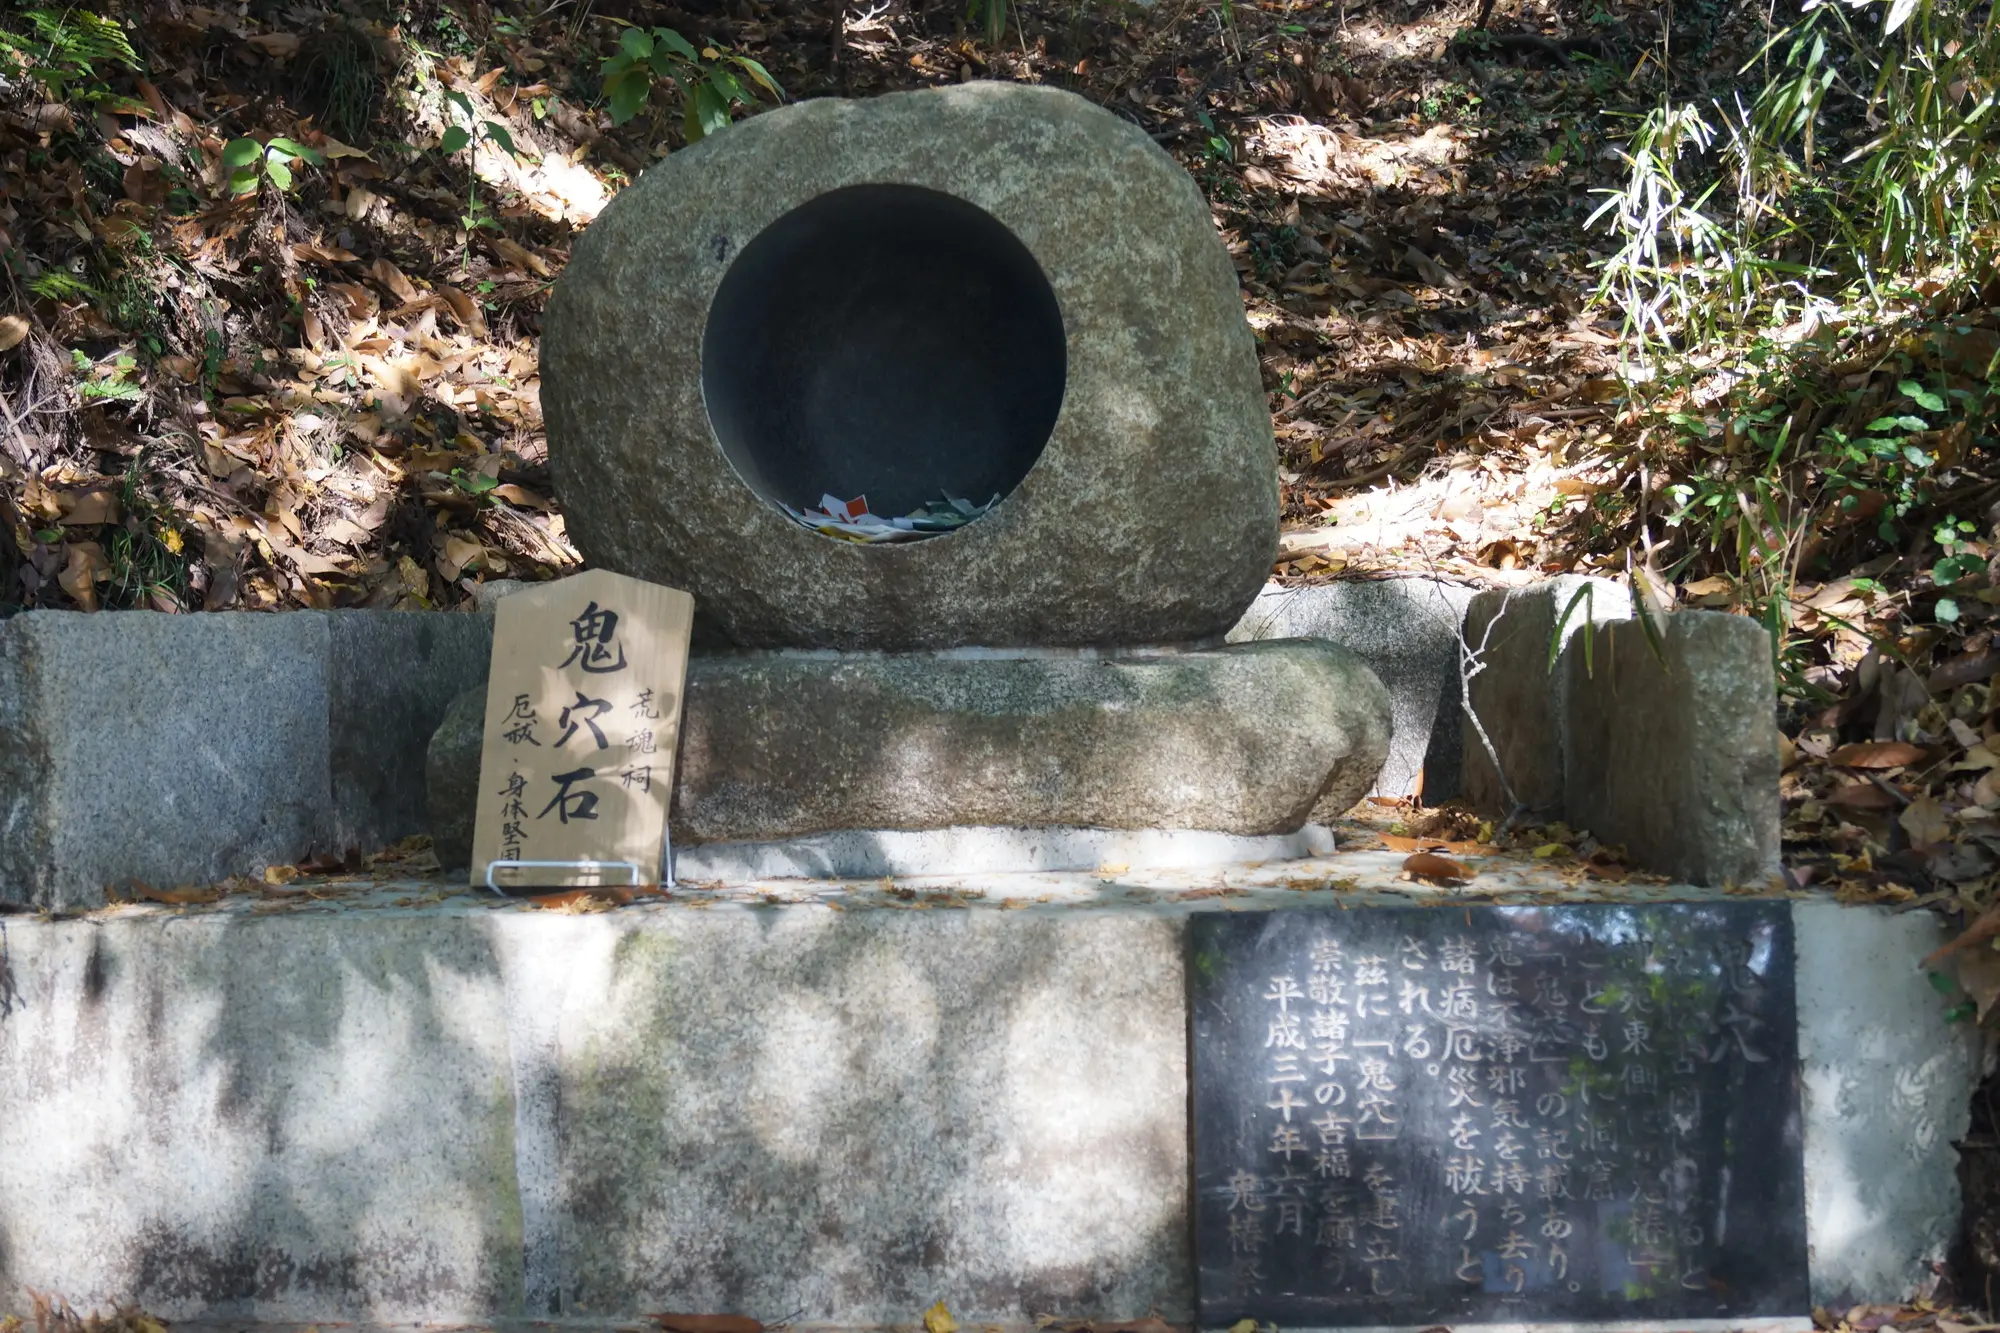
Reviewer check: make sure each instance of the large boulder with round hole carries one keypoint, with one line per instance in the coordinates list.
(985, 290)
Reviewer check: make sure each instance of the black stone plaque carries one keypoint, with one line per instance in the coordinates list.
(1416, 1116)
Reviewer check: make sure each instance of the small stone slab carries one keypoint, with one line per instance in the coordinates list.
(184, 749)
(1408, 1116)
(1518, 697)
(1150, 516)
(1406, 630)
(1249, 739)
(390, 675)
(1673, 752)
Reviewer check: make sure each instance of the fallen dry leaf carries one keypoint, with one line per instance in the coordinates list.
(186, 896)
(1965, 669)
(1924, 820)
(393, 278)
(1985, 928)
(707, 1323)
(79, 575)
(1878, 754)
(1440, 869)
(1862, 796)
(13, 328)
(277, 45)
(333, 149)
(1977, 972)
(465, 310)
(520, 495)
(937, 1319)
(89, 508)
(307, 253)
(520, 256)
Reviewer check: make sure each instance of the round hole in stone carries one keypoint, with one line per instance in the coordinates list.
(888, 341)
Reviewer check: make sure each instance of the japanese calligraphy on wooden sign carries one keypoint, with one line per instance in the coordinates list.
(1497, 1115)
(583, 713)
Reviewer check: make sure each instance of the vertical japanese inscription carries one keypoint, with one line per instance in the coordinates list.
(582, 711)
(1497, 1114)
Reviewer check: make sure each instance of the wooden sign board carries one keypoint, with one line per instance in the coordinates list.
(583, 709)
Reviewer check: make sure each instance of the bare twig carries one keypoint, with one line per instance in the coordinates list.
(1471, 661)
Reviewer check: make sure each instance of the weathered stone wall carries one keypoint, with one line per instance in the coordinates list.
(403, 1117)
(460, 1112)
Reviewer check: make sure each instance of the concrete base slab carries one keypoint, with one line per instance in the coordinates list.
(412, 1102)
(873, 854)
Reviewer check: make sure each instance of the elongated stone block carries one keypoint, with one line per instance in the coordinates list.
(464, 1111)
(1251, 739)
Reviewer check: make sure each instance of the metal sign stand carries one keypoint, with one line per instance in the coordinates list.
(631, 867)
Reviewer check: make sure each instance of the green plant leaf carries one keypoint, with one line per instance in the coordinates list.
(241, 153)
(627, 93)
(760, 74)
(727, 88)
(1924, 398)
(293, 148)
(635, 43)
(499, 134)
(1899, 14)
(279, 171)
(710, 107)
(454, 139)
(460, 100)
(244, 181)
(678, 44)
(1947, 610)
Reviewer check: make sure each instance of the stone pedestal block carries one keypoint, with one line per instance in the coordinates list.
(1518, 697)
(1675, 754)
(982, 290)
(1251, 739)
(183, 749)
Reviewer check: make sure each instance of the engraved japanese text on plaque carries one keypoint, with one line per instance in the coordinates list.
(1497, 1115)
(583, 714)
